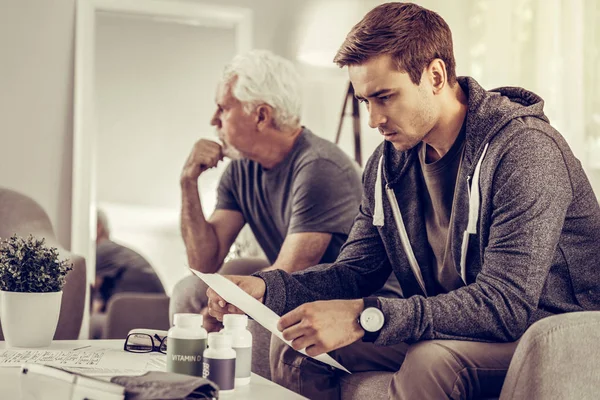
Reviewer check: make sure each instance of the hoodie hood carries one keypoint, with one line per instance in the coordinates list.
(489, 111)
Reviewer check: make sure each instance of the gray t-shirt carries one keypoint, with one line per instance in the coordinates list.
(316, 188)
(440, 181)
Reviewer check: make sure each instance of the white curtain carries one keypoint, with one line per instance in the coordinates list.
(549, 47)
(592, 84)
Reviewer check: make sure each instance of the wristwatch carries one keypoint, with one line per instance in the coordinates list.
(371, 319)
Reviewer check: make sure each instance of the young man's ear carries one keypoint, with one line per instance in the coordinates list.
(437, 75)
(264, 116)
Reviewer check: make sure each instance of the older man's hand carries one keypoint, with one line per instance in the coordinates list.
(217, 306)
(204, 155)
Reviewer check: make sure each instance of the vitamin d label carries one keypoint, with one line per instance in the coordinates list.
(184, 356)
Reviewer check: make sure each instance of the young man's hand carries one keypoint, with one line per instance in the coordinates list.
(323, 326)
(217, 306)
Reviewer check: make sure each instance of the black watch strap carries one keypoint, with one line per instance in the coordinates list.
(368, 303)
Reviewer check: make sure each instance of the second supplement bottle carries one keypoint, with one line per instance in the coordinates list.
(235, 325)
(219, 361)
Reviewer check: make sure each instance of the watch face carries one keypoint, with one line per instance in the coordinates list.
(371, 319)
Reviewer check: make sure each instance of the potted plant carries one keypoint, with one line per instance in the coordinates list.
(31, 282)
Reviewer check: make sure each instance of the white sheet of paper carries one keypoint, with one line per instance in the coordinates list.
(231, 293)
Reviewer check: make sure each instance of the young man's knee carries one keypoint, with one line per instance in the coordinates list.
(284, 364)
(430, 359)
(302, 374)
(429, 370)
(282, 356)
(188, 296)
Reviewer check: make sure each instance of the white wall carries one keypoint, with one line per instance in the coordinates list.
(36, 85)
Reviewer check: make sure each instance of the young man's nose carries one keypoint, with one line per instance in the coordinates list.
(376, 119)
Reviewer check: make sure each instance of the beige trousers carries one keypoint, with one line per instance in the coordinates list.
(435, 369)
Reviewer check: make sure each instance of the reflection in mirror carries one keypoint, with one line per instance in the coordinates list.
(155, 84)
(146, 73)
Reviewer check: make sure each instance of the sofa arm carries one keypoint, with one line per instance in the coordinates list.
(557, 358)
(23, 216)
(72, 304)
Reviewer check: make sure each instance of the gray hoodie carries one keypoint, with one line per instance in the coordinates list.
(525, 233)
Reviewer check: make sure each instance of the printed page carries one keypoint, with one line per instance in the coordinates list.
(89, 360)
(255, 309)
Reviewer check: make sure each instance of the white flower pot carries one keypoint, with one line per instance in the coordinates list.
(29, 319)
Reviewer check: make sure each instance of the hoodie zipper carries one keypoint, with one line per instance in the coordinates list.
(412, 260)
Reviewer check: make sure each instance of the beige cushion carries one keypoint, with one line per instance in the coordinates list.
(127, 311)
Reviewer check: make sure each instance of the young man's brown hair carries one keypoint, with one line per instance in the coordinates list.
(411, 34)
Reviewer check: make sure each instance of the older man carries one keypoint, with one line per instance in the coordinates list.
(298, 192)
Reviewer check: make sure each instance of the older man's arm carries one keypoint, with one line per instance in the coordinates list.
(301, 250)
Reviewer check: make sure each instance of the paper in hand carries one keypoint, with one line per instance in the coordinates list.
(232, 294)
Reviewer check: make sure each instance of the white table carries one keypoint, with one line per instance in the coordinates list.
(259, 387)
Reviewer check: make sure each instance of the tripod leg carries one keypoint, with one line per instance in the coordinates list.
(356, 129)
(349, 92)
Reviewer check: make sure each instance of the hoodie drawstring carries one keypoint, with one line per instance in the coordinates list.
(378, 218)
(474, 204)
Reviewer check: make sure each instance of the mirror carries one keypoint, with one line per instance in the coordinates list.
(146, 72)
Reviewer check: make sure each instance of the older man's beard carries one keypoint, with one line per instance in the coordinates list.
(228, 150)
(231, 152)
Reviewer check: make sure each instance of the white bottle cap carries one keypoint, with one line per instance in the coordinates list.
(188, 320)
(218, 340)
(235, 320)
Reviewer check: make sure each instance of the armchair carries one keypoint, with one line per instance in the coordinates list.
(22, 215)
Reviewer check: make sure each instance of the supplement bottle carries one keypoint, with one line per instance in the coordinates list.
(219, 361)
(235, 325)
(186, 342)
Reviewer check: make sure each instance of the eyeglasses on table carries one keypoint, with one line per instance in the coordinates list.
(146, 341)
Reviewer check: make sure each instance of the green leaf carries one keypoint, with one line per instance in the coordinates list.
(27, 265)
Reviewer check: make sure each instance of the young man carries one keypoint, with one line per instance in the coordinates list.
(298, 192)
(473, 200)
